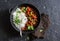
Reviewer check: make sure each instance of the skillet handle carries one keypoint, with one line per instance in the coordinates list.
(10, 9)
(13, 7)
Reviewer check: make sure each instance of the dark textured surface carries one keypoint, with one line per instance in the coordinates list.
(51, 7)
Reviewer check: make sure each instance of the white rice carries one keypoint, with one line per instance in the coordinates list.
(22, 17)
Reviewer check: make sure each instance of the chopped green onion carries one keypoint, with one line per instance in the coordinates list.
(29, 28)
(24, 9)
(17, 21)
(32, 27)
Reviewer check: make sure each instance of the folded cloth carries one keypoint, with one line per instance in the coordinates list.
(43, 26)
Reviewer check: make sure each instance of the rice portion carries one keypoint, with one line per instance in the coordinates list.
(19, 18)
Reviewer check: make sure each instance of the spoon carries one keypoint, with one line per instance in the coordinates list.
(20, 31)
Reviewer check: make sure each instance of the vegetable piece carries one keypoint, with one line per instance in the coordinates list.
(34, 22)
(27, 12)
(32, 27)
(29, 28)
(34, 16)
(31, 13)
(30, 23)
(28, 9)
(27, 24)
(29, 18)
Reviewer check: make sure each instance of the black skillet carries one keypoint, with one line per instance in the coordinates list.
(27, 33)
(18, 6)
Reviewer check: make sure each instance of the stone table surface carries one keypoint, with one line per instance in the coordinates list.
(51, 7)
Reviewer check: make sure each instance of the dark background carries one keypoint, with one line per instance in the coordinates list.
(51, 7)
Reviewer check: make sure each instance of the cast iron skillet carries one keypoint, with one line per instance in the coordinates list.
(18, 6)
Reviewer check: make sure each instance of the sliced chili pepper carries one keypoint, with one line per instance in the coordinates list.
(34, 16)
(29, 9)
